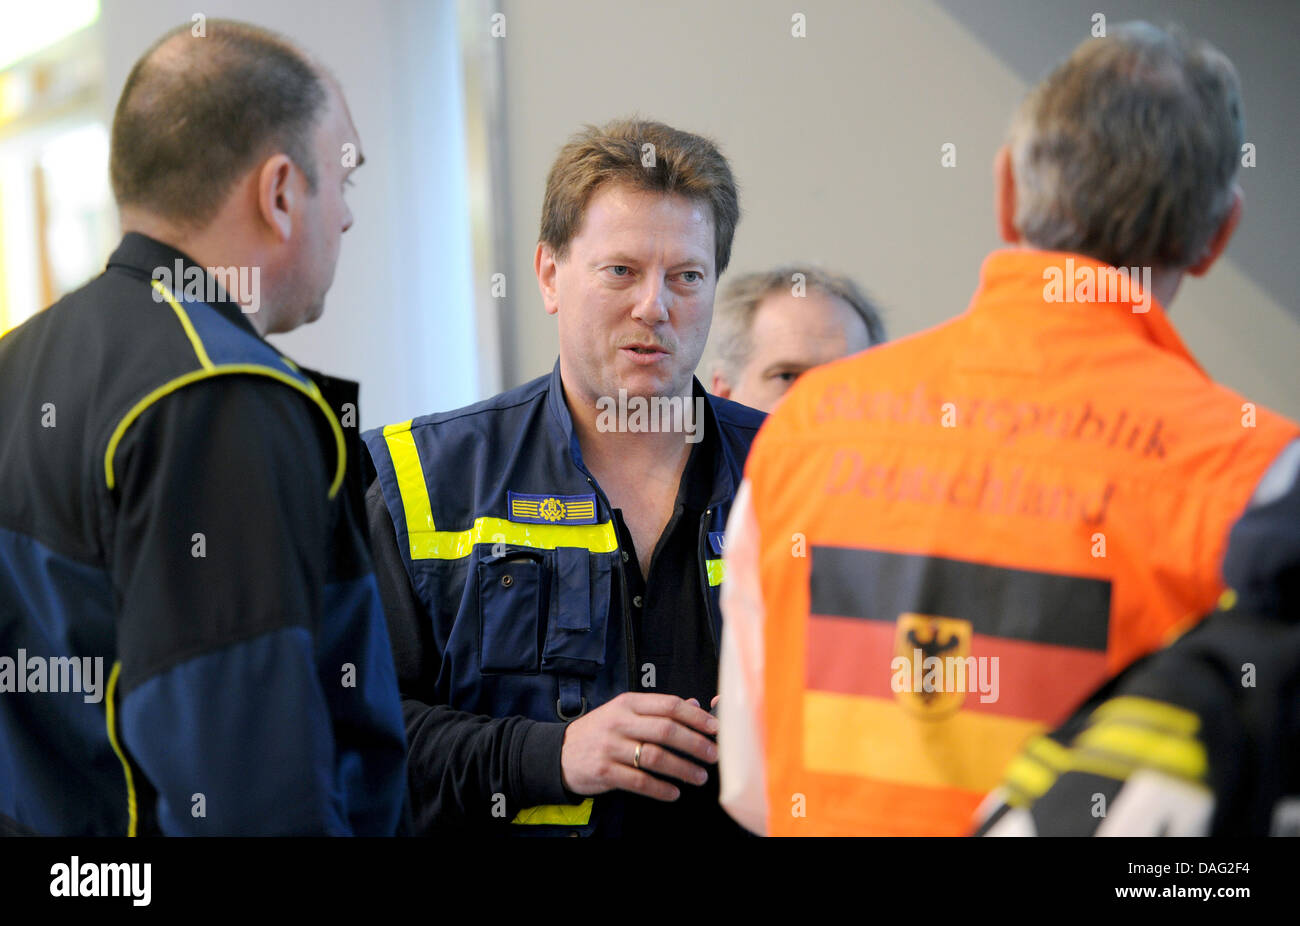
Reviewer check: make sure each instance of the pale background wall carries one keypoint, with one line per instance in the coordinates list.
(835, 139)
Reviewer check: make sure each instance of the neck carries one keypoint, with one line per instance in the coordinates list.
(608, 450)
(1164, 286)
(208, 247)
(1164, 282)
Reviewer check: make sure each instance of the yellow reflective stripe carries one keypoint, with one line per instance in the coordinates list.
(1014, 797)
(1032, 773)
(1049, 752)
(428, 543)
(1104, 766)
(1178, 755)
(716, 569)
(1145, 712)
(562, 814)
(186, 324)
(410, 481)
(1036, 769)
(110, 711)
(309, 389)
(1126, 733)
(598, 538)
(1030, 777)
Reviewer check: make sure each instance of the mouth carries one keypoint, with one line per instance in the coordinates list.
(643, 353)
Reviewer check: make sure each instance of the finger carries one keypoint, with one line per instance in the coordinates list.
(714, 702)
(666, 731)
(652, 704)
(695, 716)
(626, 778)
(662, 762)
(671, 706)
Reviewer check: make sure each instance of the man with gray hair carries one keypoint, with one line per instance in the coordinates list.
(962, 533)
(772, 326)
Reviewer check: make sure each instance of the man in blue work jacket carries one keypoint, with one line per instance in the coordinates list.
(550, 558)
(193, 643)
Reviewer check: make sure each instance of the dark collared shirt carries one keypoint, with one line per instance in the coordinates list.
(675, 650)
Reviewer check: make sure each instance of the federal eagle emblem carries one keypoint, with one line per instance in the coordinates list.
(932, 665)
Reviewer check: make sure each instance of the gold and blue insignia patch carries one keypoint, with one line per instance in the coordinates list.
(526, 508)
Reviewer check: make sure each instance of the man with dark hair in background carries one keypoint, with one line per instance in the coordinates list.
(175, 503)
(773, 326)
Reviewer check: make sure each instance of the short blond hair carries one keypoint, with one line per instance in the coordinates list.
(1128, 151)
(618, 153)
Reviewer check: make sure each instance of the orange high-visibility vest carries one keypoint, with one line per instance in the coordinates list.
(964, 532)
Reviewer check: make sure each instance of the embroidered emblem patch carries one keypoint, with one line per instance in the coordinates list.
(526, 508)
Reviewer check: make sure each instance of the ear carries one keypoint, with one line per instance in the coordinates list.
(277, 197)
(1004, 196)
(1221, 236)
(545, 267)
(721, 388)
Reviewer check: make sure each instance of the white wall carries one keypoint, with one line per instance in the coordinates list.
(400, 314)
(835, 139)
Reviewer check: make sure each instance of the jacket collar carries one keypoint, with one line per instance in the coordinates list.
(724, 465)
(1018, 277)
(144, 255)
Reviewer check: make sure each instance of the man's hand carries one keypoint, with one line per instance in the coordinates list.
(599, 749)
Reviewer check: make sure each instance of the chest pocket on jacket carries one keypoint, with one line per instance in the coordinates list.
(555, 602)
(510, 601)
(579, 613)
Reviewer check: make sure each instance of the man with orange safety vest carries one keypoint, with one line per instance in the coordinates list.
(943, 544)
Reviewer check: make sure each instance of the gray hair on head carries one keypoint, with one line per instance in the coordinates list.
(1128, 151)
(739, 300)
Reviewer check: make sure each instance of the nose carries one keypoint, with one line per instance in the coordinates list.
(652, 302)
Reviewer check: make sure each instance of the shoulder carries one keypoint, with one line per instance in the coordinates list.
(494, 411)
(464, 439)
(736, 417)
(248, 424)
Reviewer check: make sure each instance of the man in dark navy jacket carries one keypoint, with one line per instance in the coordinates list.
(197, 640)
(550, 558)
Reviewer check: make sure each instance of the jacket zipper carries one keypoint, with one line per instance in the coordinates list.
(704, 580)
(629, 642)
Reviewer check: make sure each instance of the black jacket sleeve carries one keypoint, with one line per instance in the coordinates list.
(218, 560)
(457, 762)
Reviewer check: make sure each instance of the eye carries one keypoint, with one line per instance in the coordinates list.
(620, 270)
(787, 377)
(692, 276)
